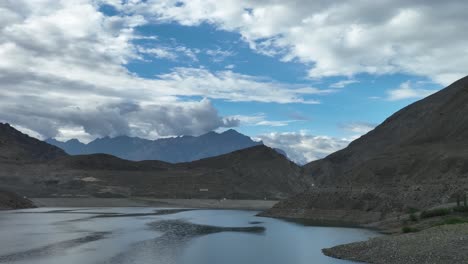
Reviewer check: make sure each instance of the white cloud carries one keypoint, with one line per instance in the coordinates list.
(170, 53)
(62, 68)
(162, 53)
(191, 53)
(260, 119)
(406, 91)
(219, 55)
(236, 87)
(301, 147)
(358, 128)
(343, 83)
(338, 38)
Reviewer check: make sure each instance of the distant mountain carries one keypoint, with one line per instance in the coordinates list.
(174, 150)
(256, 172)
(417, 158)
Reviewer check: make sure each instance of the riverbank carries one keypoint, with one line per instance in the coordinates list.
(154, 202)
(440, 244)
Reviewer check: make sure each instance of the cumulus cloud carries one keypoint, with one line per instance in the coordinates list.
(338, 38)
(54, 115)
(407, 91)
(302, 147)
(63, 69)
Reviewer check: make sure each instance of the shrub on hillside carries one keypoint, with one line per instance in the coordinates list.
(461, 209)
(413, 217)
(435, 212)
(452, 221)
(408, 229)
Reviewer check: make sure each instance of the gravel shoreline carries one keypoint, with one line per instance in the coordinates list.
(445, 244)
(257, 205)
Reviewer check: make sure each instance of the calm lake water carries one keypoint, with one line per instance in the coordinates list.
(166, 236)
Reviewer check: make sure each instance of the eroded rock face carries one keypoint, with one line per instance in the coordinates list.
(418, 157)
(9, 200)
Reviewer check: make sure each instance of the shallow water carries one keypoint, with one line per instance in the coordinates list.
(165, 236)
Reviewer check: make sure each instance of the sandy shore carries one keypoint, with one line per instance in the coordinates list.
(154, 202)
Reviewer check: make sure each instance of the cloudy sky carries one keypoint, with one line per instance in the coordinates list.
(305, 76)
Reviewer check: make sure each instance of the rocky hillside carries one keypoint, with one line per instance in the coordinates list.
(417, 158)
(9, 200)
(16, 146)
(173, 150)
(254, 173)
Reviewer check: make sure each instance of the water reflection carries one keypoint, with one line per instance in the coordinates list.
(166, 236)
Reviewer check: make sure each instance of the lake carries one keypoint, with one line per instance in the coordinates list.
(165, 236)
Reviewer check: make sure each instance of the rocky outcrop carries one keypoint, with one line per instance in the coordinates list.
(417, 158)
(9, 200)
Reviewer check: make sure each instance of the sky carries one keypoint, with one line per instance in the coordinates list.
(304, 76)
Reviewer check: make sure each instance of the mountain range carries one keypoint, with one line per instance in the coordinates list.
(415, 159)
(34, 168)
(173, 150)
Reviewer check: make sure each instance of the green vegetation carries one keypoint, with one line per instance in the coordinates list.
(435, 212)
(452, 221)
(460, 209)
(413, 217)
(447, 216)
(408, 229)
(412, 210)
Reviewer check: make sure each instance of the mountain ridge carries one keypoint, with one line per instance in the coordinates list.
(257, 172)
(24, 147)
(173, 150)
(417, 158)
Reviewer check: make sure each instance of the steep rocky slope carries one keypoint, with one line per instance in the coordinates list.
(9, 200)
(16, 146)
(254, 173)
(417, 158)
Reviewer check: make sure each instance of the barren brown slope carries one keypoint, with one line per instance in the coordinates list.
(416, 158)
(9, 200)
(16, 146)
(254, 173)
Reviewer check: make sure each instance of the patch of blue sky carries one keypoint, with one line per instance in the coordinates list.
(364, 100)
